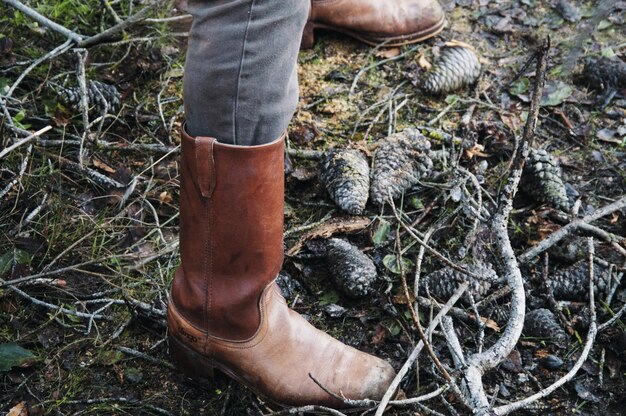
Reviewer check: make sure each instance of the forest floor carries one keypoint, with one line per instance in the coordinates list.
(89, 221)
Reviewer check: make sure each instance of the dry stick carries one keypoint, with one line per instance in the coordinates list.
(418, 348)
(24, 141)
(15, 180)
(80, 40)
(591, 336)
(606, 236)
(135, 18)
(54, 307)
(566, 230)
(125, 400)
(379, 63)
(146, 357)
(613, 319)
(81, 55)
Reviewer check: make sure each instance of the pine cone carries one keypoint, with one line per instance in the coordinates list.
(345, 173)
(572, 283)
(99, 95)
(541, 323)
(400, 161)
(444, 282)
(352, 271)
(542, 179)
(456, 68)
(603, 74)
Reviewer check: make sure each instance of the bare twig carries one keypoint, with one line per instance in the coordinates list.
(418, 348)
(23, 141)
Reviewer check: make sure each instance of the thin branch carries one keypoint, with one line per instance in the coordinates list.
(25, 140)
(418, 348)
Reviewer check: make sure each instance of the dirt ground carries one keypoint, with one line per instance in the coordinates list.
(91, 250)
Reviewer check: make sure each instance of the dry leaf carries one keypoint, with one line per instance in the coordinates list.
(388, 53)
(165, 197)
(476, 150)
(330, 228)
(20, 409)
(103, 166)
(423, 62)
(455, 42)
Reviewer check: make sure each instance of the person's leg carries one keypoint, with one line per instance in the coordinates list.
(240, 83)
(225, 309)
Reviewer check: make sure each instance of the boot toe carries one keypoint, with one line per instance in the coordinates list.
(378, 381)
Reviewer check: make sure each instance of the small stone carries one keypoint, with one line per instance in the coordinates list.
(334, 311)
(353, 272)
(400, 161)
(346, 175)
(551, 362)
(456, 68)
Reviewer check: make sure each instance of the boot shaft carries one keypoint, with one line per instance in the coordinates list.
(231, 224)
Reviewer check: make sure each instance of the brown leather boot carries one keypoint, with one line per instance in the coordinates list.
(396, 22)
(226, 312)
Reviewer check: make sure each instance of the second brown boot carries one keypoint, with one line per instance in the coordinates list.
(394, 22)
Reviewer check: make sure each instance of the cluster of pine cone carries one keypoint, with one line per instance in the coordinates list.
(399, 162)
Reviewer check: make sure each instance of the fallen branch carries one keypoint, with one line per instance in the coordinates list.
(25, 140)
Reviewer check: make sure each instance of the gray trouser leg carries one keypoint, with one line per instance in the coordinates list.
(240, 83)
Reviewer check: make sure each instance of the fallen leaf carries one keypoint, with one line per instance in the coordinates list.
(388, 53)
(20, 409)
(380, 333)
(102, 165)
(462, 44)
(165, 197)
(12, 355)
(476, 150)
(423, 62)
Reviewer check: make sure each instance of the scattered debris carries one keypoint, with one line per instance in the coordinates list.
(456, 68)
(346, 175)
(542, 179)
(400, 161)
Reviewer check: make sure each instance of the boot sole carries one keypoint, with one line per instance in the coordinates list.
(196, 366)
(308, 38)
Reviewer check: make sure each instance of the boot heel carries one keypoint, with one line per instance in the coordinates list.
(189, 362)
(308, 37)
